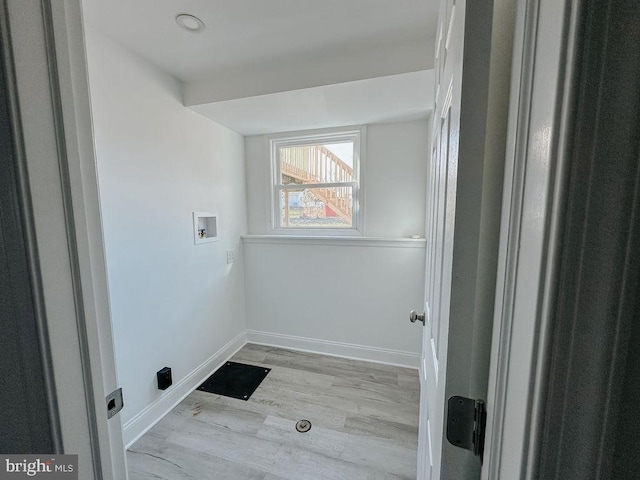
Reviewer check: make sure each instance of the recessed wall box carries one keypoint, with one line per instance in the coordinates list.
(164, 378)
(205, 227)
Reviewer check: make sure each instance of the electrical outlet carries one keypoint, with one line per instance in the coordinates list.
(231, 256)
(164, 378)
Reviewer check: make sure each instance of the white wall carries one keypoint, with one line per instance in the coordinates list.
(348, 297)
(336, 296)
(396, 169)
(395, 178)
(173, 303)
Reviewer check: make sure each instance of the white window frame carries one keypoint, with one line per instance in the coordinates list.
(355, 134)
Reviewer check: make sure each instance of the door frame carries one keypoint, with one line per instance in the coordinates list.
(43, 46)
(569, 244)
(537, 173)
(25, 359)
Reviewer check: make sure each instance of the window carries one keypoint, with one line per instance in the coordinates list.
(316, 183)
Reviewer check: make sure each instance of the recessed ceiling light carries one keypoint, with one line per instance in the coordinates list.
(190, 23)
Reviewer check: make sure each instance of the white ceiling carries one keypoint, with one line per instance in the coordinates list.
(258, 48)
(257, 32)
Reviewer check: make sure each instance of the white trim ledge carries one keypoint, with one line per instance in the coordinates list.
(336, 349)
(335, 241)
(141, 423)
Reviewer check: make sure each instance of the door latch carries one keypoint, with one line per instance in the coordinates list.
(115, 402)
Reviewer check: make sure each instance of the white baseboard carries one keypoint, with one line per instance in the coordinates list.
(337, 349)
(148, 417)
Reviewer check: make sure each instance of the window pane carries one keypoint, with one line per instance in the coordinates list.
(304, 164)
(317, 207)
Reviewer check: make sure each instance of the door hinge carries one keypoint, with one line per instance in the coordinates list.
(466, 421)
(115, 402)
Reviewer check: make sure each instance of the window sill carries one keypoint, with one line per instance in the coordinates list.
(335, 241)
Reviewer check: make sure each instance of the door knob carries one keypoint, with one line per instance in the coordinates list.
(413, 316)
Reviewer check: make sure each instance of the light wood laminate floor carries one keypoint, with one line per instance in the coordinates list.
(364, 425)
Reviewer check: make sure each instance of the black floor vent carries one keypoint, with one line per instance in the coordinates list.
(235, 380)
